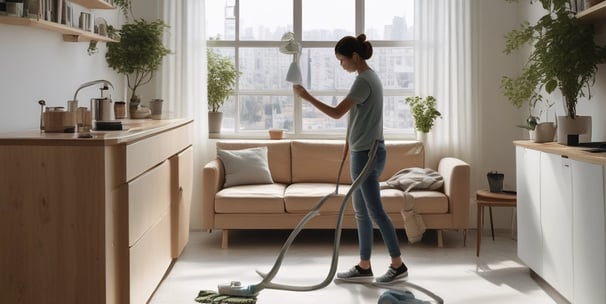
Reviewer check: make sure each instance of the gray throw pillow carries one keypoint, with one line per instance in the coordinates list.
(245, 166)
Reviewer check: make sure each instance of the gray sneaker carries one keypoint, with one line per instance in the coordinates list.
(356, 274)
(393, 274)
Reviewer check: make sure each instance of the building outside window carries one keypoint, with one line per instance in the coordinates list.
(249, 32)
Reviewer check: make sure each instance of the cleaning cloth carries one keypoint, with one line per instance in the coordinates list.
(212, 297)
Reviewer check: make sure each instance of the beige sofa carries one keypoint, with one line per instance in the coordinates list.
(304, 171)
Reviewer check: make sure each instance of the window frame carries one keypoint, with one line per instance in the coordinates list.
(298, 132)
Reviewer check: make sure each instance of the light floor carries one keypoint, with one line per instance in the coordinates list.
(452, 272)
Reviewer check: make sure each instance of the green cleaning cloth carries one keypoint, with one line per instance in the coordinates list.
(212, 297)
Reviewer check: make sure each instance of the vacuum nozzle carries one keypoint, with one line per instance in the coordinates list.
(235, 288)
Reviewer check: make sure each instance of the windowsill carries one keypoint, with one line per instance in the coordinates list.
(288, 136)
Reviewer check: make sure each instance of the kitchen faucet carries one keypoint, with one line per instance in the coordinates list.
(90, 83)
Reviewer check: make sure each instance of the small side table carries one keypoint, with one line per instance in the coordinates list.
(485, 198)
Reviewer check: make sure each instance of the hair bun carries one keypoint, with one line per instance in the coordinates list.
(361, 38)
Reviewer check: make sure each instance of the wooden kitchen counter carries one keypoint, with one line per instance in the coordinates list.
(133, 130)
(572, 152)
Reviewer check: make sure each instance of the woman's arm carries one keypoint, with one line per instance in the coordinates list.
(334, 112)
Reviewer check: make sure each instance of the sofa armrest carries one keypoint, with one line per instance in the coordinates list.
(457, 184)
(212, 181)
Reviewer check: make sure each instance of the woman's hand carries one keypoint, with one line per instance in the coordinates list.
(301, 91)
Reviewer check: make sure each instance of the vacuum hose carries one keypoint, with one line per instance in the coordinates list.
(235, 288)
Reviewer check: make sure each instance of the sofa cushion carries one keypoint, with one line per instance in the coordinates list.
(302, 197)
(400, 155)
(426, 202)
(251, 199)
(278, 154)
(318, 162)
(245, 166)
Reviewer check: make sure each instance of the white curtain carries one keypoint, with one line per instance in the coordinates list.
(183, 78)
(443, 69)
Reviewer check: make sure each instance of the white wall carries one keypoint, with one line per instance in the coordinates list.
(36, 64)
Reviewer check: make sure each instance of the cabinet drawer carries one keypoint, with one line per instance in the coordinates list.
(149, 260)
(148, 200)
(146, 153)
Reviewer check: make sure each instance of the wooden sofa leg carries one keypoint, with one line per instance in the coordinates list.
(225, 239)
(440, 240)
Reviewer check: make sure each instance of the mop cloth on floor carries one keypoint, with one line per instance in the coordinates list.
(399, 297)
(413, 179)
(212, 297)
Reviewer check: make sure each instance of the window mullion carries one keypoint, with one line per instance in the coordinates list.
(298, 30)
(359, 17)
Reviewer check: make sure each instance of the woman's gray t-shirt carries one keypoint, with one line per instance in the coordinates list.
(365, 121)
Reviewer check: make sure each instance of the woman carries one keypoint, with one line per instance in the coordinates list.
(364, 102)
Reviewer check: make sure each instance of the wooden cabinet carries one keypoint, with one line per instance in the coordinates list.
(70, 34)
(562, 217)
(182, 166)
(93, 220)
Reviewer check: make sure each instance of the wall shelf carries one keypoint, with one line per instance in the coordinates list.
(70, 34)
(594, 13)
(94, 4)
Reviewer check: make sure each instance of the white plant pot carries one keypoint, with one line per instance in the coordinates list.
(214, 122)
(568, 129)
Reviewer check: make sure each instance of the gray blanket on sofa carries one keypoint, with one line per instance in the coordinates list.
(413, 179)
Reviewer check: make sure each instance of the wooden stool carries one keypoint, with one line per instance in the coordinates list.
(485, 198)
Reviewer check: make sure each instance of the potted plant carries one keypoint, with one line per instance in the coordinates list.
(563, 56)
(138, 52)
(424, 112)
(222, 76)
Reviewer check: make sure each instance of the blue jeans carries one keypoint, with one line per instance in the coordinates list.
(368, 206)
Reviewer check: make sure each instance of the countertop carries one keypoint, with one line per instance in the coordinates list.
(133, 130)
(572, 152)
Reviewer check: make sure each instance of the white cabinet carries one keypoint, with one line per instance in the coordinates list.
(556, 222)
(589, 236)
(529, 207)
(561, 218)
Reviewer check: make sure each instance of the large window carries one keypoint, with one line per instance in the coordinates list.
(249, 32)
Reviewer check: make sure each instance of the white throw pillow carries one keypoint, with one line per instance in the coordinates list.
(245, 167)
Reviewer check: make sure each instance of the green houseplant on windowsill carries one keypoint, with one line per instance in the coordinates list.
(222, 76)
(424, 112)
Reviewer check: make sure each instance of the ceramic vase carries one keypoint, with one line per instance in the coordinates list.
(544, 132)
(573, 131)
